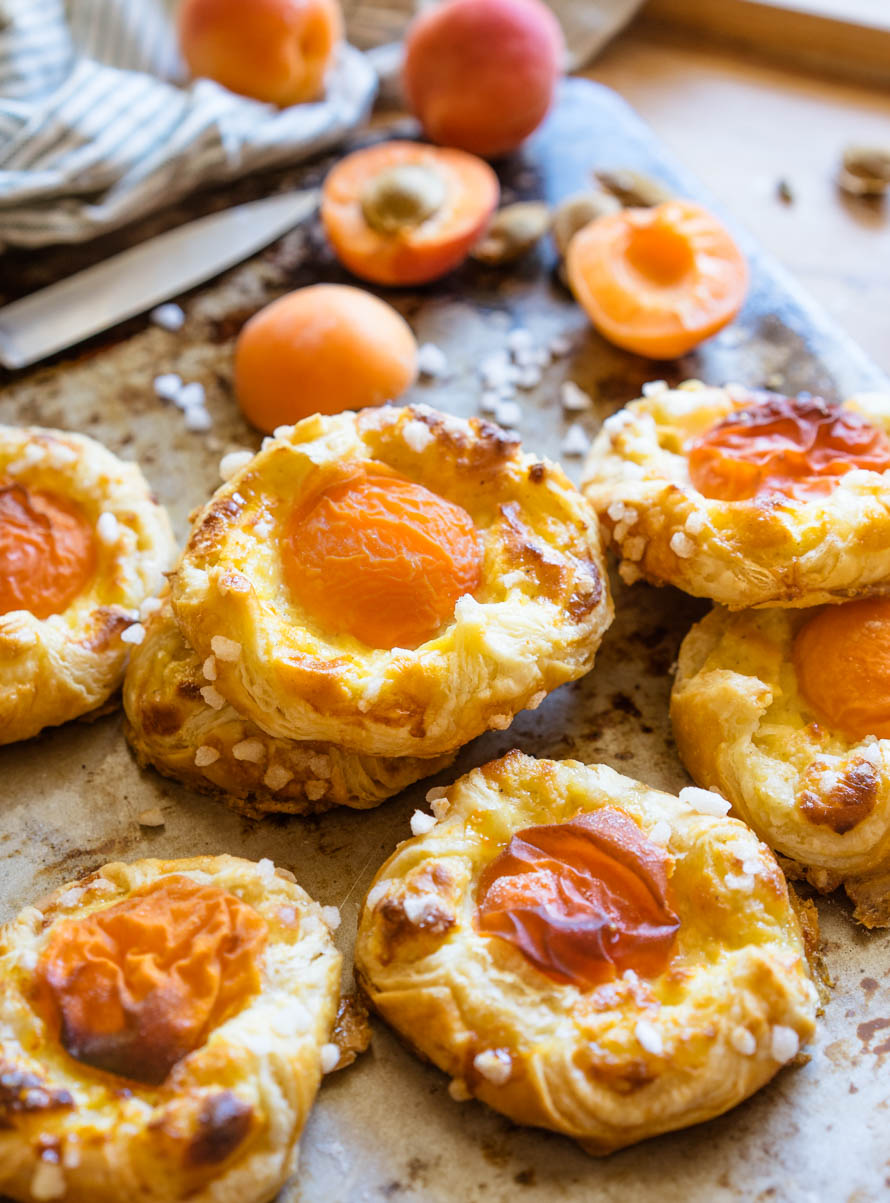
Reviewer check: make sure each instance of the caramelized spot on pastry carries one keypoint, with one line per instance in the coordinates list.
(794, 446)
(47, 551)
(22, 1093)
(842, 660)
(381, 558)
(352, 1032)
(134, 987)
(223, 1123)
(840, 799)
(583, 900)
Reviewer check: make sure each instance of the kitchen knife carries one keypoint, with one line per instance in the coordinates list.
(137, 279)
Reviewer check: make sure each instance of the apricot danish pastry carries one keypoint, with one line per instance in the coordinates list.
(748, 499)
(586, 954)
(162, 1033)
(787, 713)
(82, 544)
(394, 581)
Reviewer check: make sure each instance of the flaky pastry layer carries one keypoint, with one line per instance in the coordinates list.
(178, 723)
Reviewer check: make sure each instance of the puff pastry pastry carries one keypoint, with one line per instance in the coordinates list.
(816, 793)
(179, 723)
(796, 511)
(83, 543)
(586, 954)
(529, 598)
(186, 1071)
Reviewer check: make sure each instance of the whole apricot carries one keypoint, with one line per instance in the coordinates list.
(277, 51)
(480, 75)
(321, 349)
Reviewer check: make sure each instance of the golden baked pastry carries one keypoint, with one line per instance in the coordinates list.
(586, 954)
(394, 581)
(161, 1033)
(180, 724)
(787, 714)
(748, 499)
(82, 544)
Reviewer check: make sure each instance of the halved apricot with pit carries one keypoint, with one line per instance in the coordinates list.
(403, 213)
(657, 281)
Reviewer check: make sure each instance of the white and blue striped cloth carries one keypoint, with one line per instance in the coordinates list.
(99, 124)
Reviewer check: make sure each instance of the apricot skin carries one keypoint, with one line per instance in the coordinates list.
(321, 349)
(277, 51)
(481, 74)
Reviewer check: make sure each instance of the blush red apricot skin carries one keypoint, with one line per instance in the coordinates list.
(481, 74)
(277, 51)
(321, 349)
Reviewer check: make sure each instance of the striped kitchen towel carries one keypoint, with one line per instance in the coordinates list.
(99, 124)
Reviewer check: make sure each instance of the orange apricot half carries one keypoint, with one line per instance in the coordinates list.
(657, 281)
(402, 213)
(47, 551)
(842, 661)
(798, 446)
(132, 988)
(381, 558)
(581, 900)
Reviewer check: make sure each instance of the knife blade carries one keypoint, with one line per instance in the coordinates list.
(135, 280)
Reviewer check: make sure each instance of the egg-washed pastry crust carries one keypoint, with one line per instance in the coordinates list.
(632, 1057)
(770, 550)
(743, 728)
(534, 622)
(61, 667)
(224, 1124)
(168, 720)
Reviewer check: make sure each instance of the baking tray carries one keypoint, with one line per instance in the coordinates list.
(386, 1128)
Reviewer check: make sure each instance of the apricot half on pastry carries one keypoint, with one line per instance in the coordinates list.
(180, 724)
(787, 713)
(750, 499)
(403, 213)
(394, 582)
(82, 544)
(163, 1028)
(586, 954)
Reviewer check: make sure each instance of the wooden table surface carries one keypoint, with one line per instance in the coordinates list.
(741, 126)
